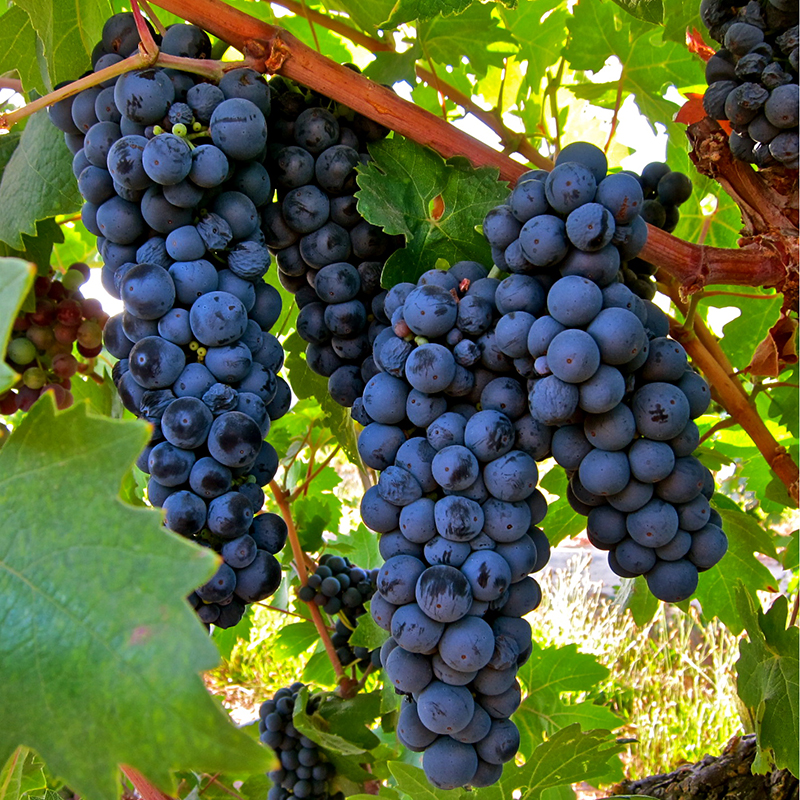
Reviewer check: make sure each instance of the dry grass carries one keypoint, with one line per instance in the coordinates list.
(673, 679)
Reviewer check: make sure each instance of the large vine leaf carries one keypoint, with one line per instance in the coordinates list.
(650, 64)
(16, 279)
(37, 182)
(768, 684)
(434, 203)
(548, 675)
(18, 49)
(539, 29)
(100, 653)
(473, 34)
(68, 30)
(410, 10)
(718, 587)
(566, 757)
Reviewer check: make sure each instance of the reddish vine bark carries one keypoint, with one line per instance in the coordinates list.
(284, 53)
(145, 789)
(705, 352)
(768, 201)
(694, 266)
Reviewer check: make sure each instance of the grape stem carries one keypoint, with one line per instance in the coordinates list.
(145, 789)
(11, 83)
(282, 499)
(303, 488)
(512, 141)
(279, 51)
(706, 354)
(765, 263)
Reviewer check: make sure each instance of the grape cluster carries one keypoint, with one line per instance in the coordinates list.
(663, 190)
(752, 79)
(173, 177)
(48, 344)
(304, 771)
(339, 587)
(616, 391)
(327, 254)
(457, 508)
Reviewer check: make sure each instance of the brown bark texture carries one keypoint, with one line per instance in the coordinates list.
(727, 776)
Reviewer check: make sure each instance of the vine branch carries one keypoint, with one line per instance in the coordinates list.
(145, 789)
(279, 51)
(11, 83)
(282, 500)
(492, 119)
(706, 354)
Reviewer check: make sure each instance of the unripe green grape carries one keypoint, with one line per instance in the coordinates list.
(73, 279)
(21, 351)
(34, 377)
(179, 129)
(90, 334)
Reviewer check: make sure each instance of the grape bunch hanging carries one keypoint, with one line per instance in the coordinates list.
(752, 78)
(171, 169)
(341, 589)
(462, 383)
(603, 372)
(327, 255)
(457, 507)
(304, 771)
(55, 341)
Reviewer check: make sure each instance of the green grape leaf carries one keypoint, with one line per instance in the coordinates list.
(717, 587)
(650, 64)
(306, 384)
(566, 757)
(295, 638)
(412, 781)
(227, 638)
(410, 10)
(474, 34)
(317, 728)
(548, 675)
(98, 396)
(391, 67)
(367, 633)
(354, 715)
(68, 32)
(16, 279)
(361, 547)
(38, 249)
(681, 16)
(92, 602)
(9, 141)
(316, 36)
(767, 681)
(791, 556)
(22, 775)
(744, 332)
(539, 30)
(366, 14)
(651, 11)
(398, 190)
(635, 596)
(18, 50)
(37, 182)
(562, 521)
(318, 670)
(314, 514)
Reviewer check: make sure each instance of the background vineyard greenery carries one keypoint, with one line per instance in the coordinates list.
(100, 664)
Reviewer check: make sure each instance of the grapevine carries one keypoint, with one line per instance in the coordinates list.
(214, 190)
